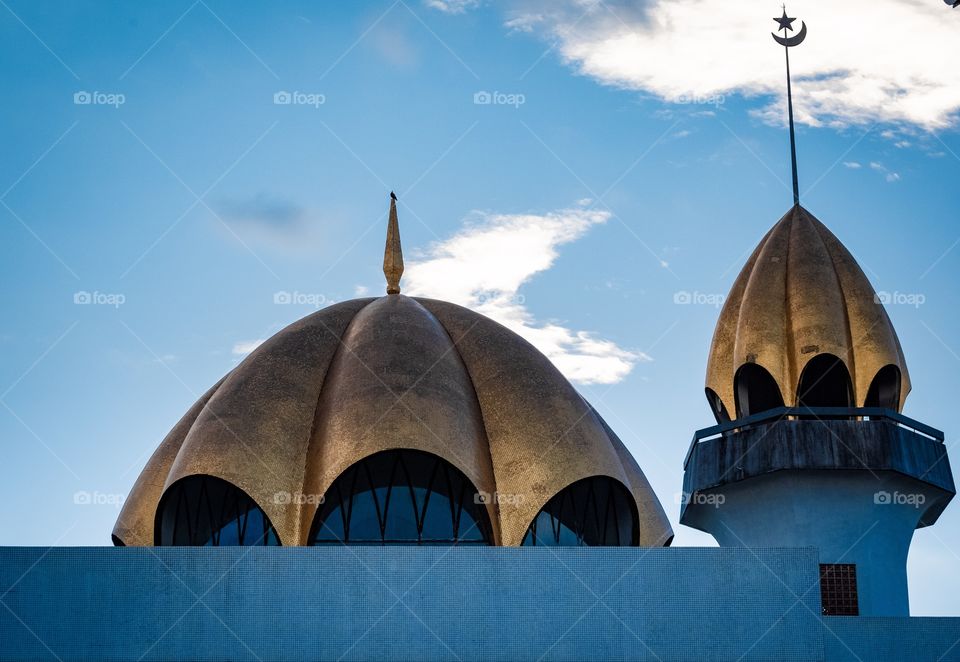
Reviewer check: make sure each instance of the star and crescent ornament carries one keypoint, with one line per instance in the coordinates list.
(785, 24)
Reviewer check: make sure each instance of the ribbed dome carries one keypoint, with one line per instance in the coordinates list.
(369, 375)
(802, 295)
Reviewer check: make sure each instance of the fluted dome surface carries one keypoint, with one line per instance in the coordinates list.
(801, 295)
(370, 375)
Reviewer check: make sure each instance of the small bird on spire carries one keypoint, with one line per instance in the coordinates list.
(392, 252)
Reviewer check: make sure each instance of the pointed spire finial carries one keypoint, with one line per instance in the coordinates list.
(392, 252)
(786, 24)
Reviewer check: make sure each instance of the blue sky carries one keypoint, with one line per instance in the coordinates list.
(633, 152)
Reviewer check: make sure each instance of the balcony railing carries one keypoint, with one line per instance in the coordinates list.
(773, 416)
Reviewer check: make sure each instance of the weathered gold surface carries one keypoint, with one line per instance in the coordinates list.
(392, 251)
(801, 294)
(255, 429)
(543, 436)
(397, 382)
(361, 377)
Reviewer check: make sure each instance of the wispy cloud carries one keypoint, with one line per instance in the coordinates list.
(452, 6)
(244, 347)
(275, 221)
(888, 174)
(484, 267)
(262, 209)
(855, 67)
(852, 165)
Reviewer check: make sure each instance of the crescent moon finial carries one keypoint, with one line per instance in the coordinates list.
(795, 40)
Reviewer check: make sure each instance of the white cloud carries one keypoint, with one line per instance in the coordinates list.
(862, 61)
(361, 290)
(888, 174)
(452, 6)
(484, 266)
(853, 165)
(244, 347)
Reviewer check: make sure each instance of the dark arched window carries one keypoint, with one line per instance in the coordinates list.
(592, 512)
(402, 497)
(755, 390)
(716, 406)
(884, 390)
(208, 511)
(825, 382)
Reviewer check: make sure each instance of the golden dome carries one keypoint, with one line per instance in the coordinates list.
(370, 375)
(802, 295)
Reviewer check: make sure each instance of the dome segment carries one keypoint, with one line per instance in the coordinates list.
(543, 436)
(253, 430)
(397, 382)
(801, 295)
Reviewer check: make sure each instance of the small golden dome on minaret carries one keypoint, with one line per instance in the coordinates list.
(392, 252)
(801, 302)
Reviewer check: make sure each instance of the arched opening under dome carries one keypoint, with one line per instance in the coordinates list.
(884, 390)
(825, 382)
(755, 390)
(716, 406)
(592, 512)
(207, 511)
(402, 497)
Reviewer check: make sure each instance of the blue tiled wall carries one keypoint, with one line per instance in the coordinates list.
(406, 603)
(852, 639)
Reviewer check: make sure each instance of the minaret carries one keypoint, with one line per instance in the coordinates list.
(392, 252)
(807, 381)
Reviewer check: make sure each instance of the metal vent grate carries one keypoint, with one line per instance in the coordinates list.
(838, 589)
